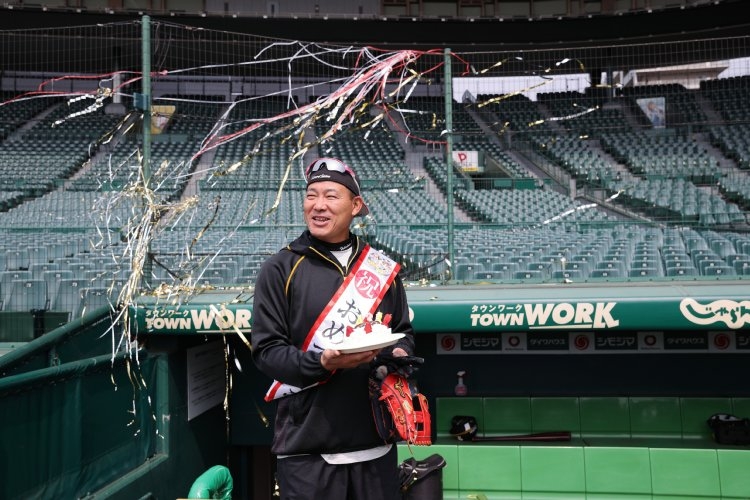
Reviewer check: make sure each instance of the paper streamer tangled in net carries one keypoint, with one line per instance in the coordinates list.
(369, 88)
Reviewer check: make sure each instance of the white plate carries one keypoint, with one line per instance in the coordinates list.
(367, 342)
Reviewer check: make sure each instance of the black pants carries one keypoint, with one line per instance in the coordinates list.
(311, 477)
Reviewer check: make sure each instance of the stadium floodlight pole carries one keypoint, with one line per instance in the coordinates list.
(448, 98)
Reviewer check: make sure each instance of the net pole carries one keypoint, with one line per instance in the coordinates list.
(146, 162)
(146, 83)
(449, 151)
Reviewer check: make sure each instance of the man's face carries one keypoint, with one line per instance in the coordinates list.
(329, 209)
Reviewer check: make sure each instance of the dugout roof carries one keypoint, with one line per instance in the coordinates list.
(678, 305)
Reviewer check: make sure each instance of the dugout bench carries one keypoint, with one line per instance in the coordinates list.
(623, 447)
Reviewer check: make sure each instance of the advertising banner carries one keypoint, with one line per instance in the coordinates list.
(651, 342)
(468, 161)
(540, 316)
(655, 110)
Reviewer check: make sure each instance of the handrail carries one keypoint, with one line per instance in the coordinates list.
(35, 377)
(50, 339)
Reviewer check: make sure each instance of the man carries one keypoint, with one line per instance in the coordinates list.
(306, 296)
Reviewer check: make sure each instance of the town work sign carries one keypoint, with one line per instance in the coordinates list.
(683, 306)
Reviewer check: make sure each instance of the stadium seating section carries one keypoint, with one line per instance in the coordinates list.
(644, 204)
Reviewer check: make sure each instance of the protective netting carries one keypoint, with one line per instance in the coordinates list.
(572, 164)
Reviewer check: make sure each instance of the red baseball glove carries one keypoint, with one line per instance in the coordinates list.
(400, 412)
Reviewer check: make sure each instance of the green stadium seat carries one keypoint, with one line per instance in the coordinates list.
(688, 270)
(544, 268)
(39, 268)
(53, 278)
(528, 275)
(645, 272)
(69, 296)
(27, 295)
(571, 274)
(504, 270)
(37, 255)
(719, 270)
(6, 281)
(486, 276)
(606, 273)
(17, 259)
(93, 298)
(216, 274)
(466, 270)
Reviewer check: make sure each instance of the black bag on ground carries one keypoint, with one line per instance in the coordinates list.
(728, 429)
(422, 479)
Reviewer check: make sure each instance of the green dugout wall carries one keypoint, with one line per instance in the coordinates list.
(78, 421)
(678, 340)
(69, 431)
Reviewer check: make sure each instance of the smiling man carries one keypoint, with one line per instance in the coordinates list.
(306, 296)
(332, 201)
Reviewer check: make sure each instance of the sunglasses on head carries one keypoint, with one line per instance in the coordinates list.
(331, 164)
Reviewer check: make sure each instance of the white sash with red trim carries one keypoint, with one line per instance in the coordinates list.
(358, 296)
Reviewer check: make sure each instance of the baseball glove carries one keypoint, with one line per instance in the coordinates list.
(399, 410)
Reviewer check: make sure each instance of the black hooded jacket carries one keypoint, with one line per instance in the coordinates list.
(292, 288)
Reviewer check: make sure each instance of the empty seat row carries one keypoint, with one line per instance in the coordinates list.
(70, 295)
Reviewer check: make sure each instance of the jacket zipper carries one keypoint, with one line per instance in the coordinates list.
(336, 262)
